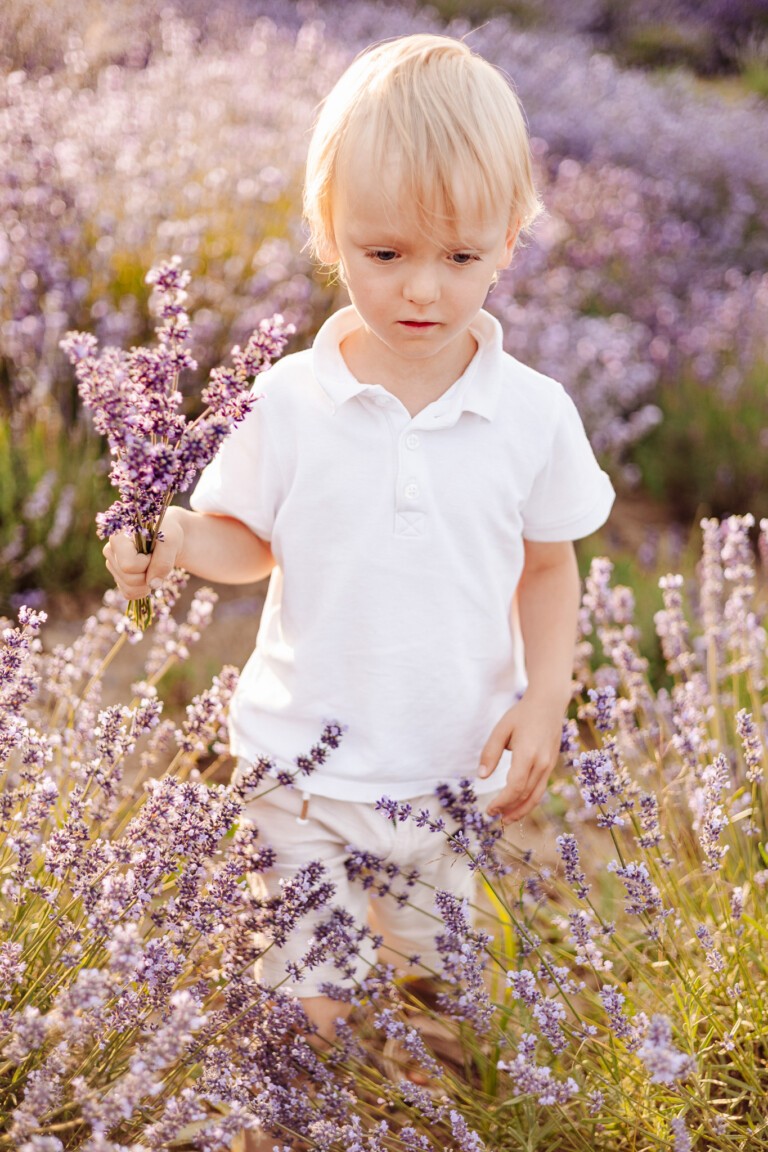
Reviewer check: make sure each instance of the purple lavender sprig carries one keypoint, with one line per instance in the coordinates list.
(135, 401)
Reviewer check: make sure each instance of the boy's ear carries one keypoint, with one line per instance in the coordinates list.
(509, 245)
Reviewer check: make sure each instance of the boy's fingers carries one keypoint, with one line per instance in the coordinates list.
(510, 798)
(126, 565)
(495, 745)
(161, 564)
(513, 803)
(121, 555)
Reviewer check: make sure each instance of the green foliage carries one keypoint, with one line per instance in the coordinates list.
(53, 481)
(667, 45)
(525, 13)
(708, 454)
(755, 77)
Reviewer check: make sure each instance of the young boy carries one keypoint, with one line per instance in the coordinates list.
(413, 490)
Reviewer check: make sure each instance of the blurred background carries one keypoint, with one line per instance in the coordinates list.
(136, 129)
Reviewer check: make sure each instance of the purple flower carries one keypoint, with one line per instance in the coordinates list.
(206, 715)
(681, 1134)
(532, 1079)
(665, 1063)
(710, 818)
(672, 627)
(596, 1101)
(582, 936)
(604, 707)
(643, 897)
(752, 745)
(462, 952)
(620, 1024)
(649, 821)
(466, 1139)
(549, 1015)
(714, 958)
(524, 987)
(12, 967)
(568, 847)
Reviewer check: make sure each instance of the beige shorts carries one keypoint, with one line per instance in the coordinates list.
(327, 828)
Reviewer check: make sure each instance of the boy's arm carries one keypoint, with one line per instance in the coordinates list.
(548, 602)
(214, 547)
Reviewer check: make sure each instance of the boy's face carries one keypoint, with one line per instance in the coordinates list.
(416, 290)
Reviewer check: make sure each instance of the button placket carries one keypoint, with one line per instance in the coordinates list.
(411, 485)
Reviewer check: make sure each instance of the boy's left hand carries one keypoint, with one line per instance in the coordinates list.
(532, 729)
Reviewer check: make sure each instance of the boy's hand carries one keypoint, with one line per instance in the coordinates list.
(136, 573)
(532, 730)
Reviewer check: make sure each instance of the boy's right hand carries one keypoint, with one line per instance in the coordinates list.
(136, 573)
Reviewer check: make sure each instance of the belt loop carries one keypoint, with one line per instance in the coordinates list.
(302, 817)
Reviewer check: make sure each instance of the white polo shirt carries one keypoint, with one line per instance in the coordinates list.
(399, 546)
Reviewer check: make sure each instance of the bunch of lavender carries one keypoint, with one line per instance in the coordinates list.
(135, 402)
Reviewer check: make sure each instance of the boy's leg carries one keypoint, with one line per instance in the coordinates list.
(323, 1013)
(301, 831)
(409, 927)
(319, 833)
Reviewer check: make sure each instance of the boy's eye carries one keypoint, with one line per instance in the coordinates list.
(463, 257)
(383, 255)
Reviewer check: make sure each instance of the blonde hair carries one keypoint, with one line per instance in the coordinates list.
(450, 118)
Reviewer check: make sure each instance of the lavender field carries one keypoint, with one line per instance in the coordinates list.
(613, 992)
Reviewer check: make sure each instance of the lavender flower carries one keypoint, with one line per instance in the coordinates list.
(652, 835)
(620, 1024)
(583, 936)
(11, 966)
(532, 1079)
(206, 714)
(568, 847)
(681, 1135)
(752, 745)
(523, 986)
(596, 1101)
(466, 1139)
(135, 402)
(462, 950)
(672, 627)
(692, 709)
(549, 1015)
(712, 582)
(604, 707)
(601, 778)
(710, 818)
(411, 1039)
(643, 897)
(664, 1062)
(714, 958)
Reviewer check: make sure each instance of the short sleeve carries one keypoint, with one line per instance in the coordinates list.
(243, 480)
(571, 496)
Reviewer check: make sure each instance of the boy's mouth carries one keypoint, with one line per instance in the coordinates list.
(419, 323)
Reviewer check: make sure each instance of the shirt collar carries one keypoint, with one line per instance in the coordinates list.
(477, 390)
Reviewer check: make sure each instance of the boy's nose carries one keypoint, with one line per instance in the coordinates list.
(421, 286)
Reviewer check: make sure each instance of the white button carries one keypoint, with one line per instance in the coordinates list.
(412, 441)
(411, 491)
